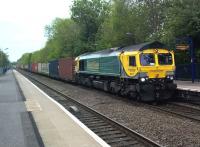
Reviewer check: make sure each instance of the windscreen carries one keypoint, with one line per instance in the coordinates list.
(147, 59)
(165, 59)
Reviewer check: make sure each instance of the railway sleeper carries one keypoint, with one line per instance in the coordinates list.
(108, 133)
(117, 140)
(95, 125)
(115, 136)
(86, 116)
(128, 144)
(94, 122)
(90, 119)
(103, 130)
(101, 127)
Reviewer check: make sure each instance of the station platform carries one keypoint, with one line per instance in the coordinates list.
(188, 85)
(30, 118)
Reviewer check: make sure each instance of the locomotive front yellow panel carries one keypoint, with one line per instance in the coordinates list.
(130, 63)
(157, 63)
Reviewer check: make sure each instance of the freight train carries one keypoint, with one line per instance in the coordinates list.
(143, 72)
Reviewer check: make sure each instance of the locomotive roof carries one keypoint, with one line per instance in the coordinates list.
(146, 45)
(118, 50)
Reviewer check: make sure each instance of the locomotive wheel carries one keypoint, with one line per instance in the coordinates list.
(133, 95)
(88, 82)
(111, 90)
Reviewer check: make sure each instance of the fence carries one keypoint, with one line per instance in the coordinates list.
(184, 72)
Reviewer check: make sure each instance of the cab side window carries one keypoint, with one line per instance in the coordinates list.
(132, 61)
(82, 65)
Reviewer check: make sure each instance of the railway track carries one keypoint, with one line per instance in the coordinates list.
(115, 134)
(180, 110)
(194, 103)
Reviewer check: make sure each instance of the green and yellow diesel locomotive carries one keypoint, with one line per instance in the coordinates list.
(144, 71)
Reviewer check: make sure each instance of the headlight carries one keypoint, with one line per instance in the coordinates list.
(170, 77)
(143, 76)
(142, 79)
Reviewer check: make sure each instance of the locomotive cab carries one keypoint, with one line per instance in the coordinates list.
(149, 64)
(151, 71)
(157, 64)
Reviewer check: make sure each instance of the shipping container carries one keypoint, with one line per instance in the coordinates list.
(34, 67)
(45, 68)
(39, 67)
(53, 69)
(29, 67)
(66, 69)
(26, 67)
(22, 66)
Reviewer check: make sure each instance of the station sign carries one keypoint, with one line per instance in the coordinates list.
(186, 43)
(182, 47)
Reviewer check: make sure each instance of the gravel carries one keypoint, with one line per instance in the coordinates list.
(163, 128)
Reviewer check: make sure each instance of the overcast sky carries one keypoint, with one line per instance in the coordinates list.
(22, 23)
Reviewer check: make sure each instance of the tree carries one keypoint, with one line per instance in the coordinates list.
(100, 24)
(132, 22)
(89, 15)
(3, 59)
(182, 19)
(62, 36)
(25, 59)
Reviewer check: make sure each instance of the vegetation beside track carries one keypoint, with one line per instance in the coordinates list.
(99, 24)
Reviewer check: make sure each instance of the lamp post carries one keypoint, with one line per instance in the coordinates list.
(129, 35)
(95, 46)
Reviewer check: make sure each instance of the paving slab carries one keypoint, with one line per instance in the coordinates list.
(188, 85)
(16, 127)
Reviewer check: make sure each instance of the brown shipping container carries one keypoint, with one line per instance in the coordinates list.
(34, 67)
(66, 68)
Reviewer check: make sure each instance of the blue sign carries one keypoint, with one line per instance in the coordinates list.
(186, 43)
